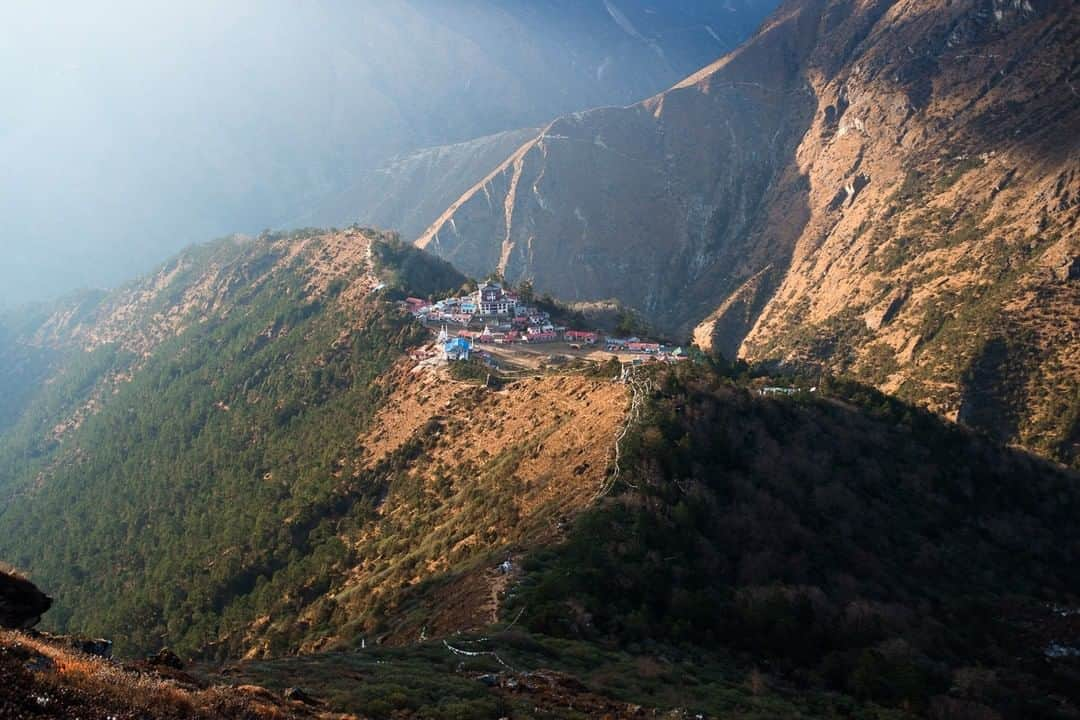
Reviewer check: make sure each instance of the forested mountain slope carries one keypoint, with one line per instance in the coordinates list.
(185, 440)
(840, 538)
(246, 457)
(887, 189)
(238, 457)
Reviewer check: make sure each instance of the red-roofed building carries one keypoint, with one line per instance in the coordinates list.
(580, 336)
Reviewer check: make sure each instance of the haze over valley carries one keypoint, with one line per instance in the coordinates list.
(553, 359)
(130, 133)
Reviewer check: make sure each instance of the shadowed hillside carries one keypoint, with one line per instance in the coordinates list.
(841, 538)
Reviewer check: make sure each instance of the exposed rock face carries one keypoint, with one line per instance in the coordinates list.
(879, 188)
(1069, 269)
(21, 603)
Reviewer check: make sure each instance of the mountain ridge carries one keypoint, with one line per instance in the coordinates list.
(280, 474)
(854, 189)
(853, 500)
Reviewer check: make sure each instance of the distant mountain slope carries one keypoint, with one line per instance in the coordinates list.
(616, 202)
(888, 189)
(633, 48)
(409, 191)
(129, 135)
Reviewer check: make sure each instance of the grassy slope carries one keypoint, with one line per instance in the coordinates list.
(837, 554)
(45, 680)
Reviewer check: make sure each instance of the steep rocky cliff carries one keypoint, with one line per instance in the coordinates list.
(883, 188)
(944, 197)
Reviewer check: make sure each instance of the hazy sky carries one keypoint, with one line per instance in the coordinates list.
(80, 148)
(131, 128)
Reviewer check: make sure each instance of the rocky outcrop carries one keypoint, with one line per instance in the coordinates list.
(21, 603)
(165, 658)
(1068, 270)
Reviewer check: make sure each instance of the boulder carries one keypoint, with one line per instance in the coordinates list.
(39, 663)
(21, 603)
(298, 695)
(1069, 269)
(166, 658)
(97, 646)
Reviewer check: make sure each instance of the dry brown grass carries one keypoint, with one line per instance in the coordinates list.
(493, 472)
(63, 678)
